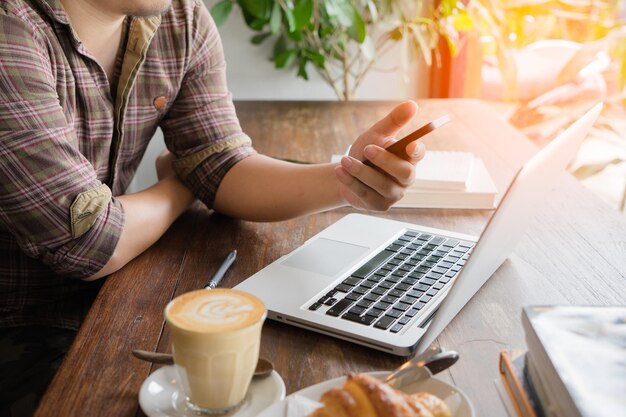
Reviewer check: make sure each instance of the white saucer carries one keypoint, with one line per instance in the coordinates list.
(455, 399)
(160, 395)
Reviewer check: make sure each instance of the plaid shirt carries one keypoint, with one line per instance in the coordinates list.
(70, 143)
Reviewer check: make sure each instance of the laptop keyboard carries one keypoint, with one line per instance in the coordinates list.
(394, 285)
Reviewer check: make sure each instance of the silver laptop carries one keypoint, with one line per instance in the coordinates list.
(395, 286)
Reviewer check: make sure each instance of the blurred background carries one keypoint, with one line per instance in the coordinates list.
(538, 64)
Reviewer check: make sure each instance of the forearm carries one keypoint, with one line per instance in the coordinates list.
(260, 188)
(147, 216)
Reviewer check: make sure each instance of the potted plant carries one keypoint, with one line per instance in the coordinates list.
(343, 39)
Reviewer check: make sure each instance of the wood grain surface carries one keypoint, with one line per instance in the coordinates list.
(574, 252)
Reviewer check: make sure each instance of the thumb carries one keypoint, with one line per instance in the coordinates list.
(391, 124)
(416, 150)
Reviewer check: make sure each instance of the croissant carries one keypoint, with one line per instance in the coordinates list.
(366, 396)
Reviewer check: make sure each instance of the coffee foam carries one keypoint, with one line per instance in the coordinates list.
(214, 310)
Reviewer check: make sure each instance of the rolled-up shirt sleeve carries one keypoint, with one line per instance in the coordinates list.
(50, 198)
(201, 128)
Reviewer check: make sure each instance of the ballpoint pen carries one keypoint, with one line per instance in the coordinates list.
(219, 274)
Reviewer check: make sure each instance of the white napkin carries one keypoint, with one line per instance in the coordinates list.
(299, 406)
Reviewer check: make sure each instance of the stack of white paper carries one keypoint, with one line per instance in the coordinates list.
(444, 170)
(446, 179)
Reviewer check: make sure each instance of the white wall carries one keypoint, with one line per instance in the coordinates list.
(252, 76)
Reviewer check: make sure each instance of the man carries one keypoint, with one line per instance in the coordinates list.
(83, 86)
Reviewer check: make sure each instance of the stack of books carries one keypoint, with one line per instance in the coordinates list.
(450, 179)
(575, 365)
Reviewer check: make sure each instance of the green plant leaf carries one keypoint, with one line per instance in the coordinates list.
(315, 57)
(253, 22)
(303, 12)
(275, 18)
(371, 6)
(258, 39)
(331, 9)
(221, 10)
(302, 69)
(280, 46)
(285, 59)
(340, 11)
(291, 20)
(325, 31)
(295, 36)
(357, 30)
(260, 9)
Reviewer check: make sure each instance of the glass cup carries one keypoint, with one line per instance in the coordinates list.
(216, 335)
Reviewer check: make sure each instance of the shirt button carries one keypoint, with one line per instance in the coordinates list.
(160, 102)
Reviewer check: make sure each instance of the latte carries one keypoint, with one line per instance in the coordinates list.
(216, 337)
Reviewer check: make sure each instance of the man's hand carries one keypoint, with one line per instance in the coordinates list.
(378, 189)
(259, 188)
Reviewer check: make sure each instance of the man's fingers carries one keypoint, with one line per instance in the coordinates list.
(400, 170)
(391, 124)
(371, 201)
(366, 182)
(416, 150)
(350, 198)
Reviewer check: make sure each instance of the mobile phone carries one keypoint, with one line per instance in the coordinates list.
(399, 148)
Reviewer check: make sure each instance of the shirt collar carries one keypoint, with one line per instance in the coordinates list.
(54, 9)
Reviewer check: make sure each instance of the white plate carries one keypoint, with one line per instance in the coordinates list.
(455, 399)
(160, 395)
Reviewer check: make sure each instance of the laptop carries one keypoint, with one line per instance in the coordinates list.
(394, 286)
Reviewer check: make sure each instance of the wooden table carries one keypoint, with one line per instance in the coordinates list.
(573, 253)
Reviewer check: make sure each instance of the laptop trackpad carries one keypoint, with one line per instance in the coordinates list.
(325, 256)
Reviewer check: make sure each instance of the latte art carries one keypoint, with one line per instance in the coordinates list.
(224, 310)
(218, 310)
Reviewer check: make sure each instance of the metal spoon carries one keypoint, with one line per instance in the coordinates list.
(263, 366)
(422, 366)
